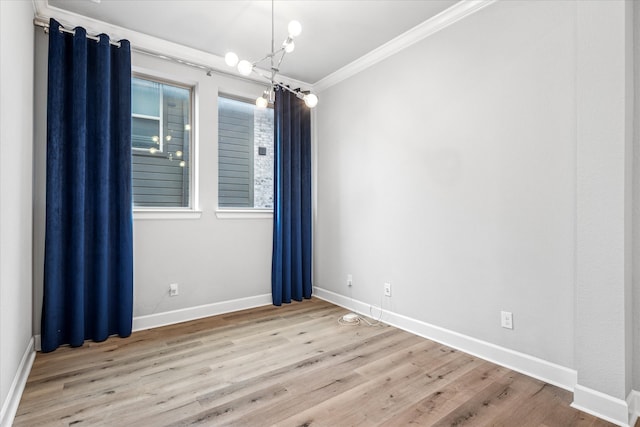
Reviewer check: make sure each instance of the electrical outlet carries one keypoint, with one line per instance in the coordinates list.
(387, 289)
(173, 289)
(349, 280)
(506, 319)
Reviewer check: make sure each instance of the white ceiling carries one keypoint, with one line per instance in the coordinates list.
(334, 32)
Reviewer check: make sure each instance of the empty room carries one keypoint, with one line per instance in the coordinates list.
(319, 213)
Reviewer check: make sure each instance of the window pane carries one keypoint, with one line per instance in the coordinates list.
(161, 162)
(245, 155)
(263, 161)
(145, 133)
(145, 97)
(176, 94)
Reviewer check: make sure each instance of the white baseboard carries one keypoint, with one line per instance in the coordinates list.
(601, 405)
(587, 400)
(532, 366)
(617, 411)
(10, 405)
(192, 313)
(633, 403)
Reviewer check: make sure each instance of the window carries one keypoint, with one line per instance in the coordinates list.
(161, 143)
(245, 155)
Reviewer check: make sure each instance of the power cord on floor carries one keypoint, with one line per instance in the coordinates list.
(349, 319)
(353, 319)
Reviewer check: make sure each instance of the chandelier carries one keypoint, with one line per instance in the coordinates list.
(275, 57)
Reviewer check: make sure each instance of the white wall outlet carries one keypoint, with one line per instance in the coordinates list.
(349, 280)
(173, 289)
(387, 289)
(506, 319)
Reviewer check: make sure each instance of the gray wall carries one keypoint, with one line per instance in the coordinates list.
(455, 180)
(213, 260)
(604, 126)
(16, 139)
(458, 180)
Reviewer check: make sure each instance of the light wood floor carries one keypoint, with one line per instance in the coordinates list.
(288, 366)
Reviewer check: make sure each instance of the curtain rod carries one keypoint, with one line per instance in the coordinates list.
(45, 26)
(41, 22)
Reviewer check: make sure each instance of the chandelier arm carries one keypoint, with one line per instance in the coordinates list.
(262, 60)
(264, 76)
(273, 31)
(273, 42)
(268, 96)
(284, 52)
(268, 56)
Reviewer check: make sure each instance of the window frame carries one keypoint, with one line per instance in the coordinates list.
(192, 211)
(236, 212)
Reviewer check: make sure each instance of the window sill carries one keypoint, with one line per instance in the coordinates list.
(244, 214)
(166, 214)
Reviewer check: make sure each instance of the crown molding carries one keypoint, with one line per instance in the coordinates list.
(442, 20)
(146, 44)
(149, 44)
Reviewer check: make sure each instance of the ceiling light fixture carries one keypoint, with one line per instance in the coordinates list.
(246, 68)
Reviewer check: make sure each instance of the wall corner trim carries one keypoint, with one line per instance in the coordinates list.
(601, 405)
(529, 365)
(191, 313)
(633, 403)
(421, 31)
(10, 405)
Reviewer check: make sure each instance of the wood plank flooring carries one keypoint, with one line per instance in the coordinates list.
(289, 366)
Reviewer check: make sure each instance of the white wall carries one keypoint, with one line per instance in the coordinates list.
(604, 107)
(452, 171)
(449, 171)
(16, 142)
(213, 260)
(487, 168)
